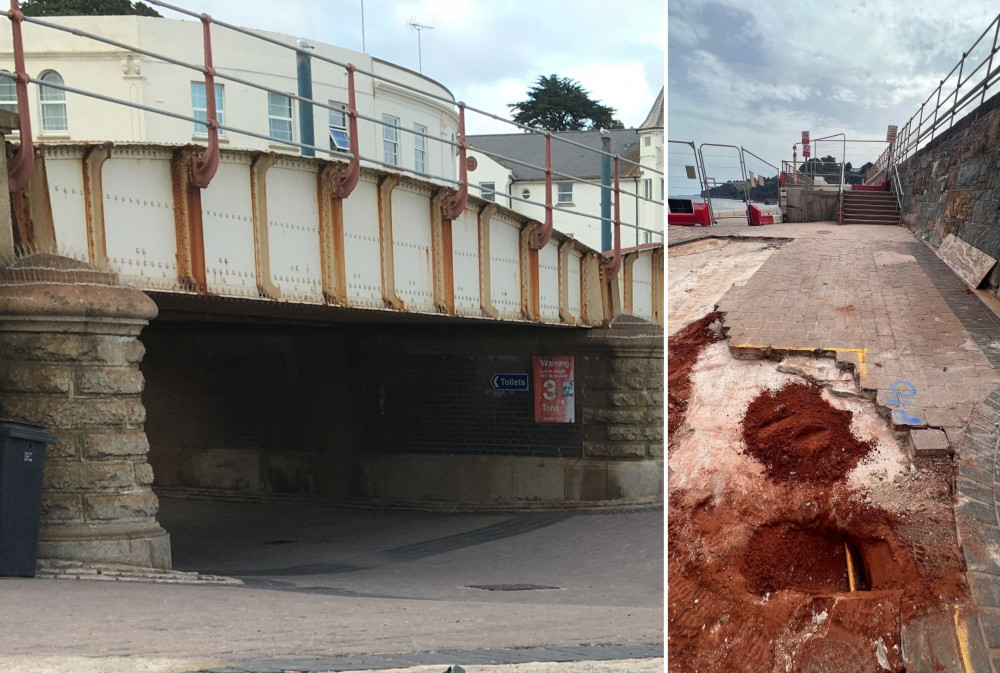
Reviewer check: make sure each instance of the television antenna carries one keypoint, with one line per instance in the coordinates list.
(416, 28)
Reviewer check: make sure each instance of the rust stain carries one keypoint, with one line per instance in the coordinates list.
(188, 223)
(441, 260)
(340, 258)
(179, 172)
(565, 315)
(197, 238)
(261, 245)
(448, 258)
(657, 287)
(485, 270)
(386, 184)
(628, 280)
(331, 221)
(93, 198)
(529, 273)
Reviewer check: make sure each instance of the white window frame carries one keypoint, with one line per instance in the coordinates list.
(488, 191)
(276, 123)
(202, 112)
(420, 149)
(564, 193)
(8, 94)
(647, 188)
(337, 121)
(51, 100)
(390, 139)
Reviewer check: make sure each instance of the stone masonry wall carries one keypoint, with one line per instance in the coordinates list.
(952, 186)
(69, 361)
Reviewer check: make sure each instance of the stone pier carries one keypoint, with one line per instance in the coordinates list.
(69, 361)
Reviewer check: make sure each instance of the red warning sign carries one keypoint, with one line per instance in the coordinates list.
(554, 394)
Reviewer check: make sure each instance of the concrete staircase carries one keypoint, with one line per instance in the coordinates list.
(865, 207)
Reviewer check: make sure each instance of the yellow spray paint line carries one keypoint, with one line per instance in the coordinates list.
(963, 642)
(862, 368)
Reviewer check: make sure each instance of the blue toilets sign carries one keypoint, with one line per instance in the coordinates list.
(517, 382)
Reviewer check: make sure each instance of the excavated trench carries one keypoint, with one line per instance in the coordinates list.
(801, 536)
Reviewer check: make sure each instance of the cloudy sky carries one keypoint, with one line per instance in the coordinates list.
(758, 73)
(487, 52)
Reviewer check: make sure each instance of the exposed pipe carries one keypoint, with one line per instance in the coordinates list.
(542, 236)
(20, 168)
(348, 179)
(456, 203)
(204, 168)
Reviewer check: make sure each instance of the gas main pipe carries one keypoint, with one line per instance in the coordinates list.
(20, 168)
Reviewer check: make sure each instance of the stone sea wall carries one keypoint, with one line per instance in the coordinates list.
(952, 186)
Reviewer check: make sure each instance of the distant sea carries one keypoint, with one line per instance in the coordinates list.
(726, 205)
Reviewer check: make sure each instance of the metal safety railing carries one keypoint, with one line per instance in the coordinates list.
(207, 162)
(728, 168)
(972, 78)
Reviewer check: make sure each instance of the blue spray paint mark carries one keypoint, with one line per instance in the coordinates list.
(903, 418)
(904, 391)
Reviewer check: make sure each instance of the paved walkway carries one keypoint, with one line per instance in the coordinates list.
(336, 589)
(922, 342)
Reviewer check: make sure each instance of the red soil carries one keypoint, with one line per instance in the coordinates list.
(757, 576)
(683, 349)
(796, 434)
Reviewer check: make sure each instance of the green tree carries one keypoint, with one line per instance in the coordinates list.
(561, 104)
(86, 8)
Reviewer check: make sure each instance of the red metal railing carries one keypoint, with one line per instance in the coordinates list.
(205, 167)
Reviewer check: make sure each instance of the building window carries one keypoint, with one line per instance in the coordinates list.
(661, 189)
(390, 139)
(8, 94)
(525, 194)
(199, 107)
(565, 194)
(647, 188)
(420, 149)
(649, 141)
(279, 117)
(340, 139)
(487, 191)
(53, 102)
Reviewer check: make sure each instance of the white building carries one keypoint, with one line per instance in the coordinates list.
(510, 183)
(89, 65)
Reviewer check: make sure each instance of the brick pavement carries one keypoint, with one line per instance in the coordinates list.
(866, 299)
(921, 342)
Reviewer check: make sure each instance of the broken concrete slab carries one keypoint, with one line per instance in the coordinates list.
(929, 442)
(970, 263)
